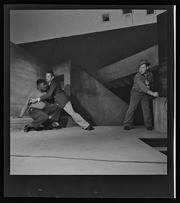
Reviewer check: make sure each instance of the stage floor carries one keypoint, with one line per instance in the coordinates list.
(107, 150)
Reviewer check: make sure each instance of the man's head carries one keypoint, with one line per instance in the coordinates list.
(49, 76)
(41, 85)
(143, 66)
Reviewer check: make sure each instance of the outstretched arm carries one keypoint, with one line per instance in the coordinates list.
(47, 95)
(143, 87)
(25, 107)
(23, 111)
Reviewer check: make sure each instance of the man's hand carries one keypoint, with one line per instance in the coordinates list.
(156, 94)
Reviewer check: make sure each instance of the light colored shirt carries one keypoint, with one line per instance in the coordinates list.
(36, 94)
(40, 105)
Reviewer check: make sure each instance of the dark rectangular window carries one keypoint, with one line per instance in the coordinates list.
(150, 11)
(125, 11)
(105, 17)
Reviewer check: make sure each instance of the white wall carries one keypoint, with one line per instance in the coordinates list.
(35, 25)
(140, 17)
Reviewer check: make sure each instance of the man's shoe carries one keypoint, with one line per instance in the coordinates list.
(150, 128)
(48, 128)
(126, 128)
(57, 128)
(26, 128)
(89, 128)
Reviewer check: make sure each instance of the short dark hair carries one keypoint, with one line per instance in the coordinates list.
(39, 81)
(50, 71)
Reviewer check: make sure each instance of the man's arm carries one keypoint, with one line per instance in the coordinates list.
(47, 95)
(24, 109)
(143, 87)
(154, 94)
(49, 92)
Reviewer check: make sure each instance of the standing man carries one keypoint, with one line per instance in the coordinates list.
(62, 99)
(140, 93)
(38, 111)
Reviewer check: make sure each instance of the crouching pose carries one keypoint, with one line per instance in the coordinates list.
(42, 114)
(62, 99)
(140, 93)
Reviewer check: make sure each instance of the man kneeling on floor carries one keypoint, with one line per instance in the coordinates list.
(55, 90)
(42, 114)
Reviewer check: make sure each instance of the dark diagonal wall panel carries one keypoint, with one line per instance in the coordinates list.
(95, 50)
(94, 102)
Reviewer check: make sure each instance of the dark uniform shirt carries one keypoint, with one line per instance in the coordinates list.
(143, 83)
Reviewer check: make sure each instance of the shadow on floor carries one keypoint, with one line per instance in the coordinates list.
(158, 143)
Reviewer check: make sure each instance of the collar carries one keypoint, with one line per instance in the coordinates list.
(146, 74)
(51, 81)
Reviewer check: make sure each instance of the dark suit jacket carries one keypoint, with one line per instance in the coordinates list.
(55, 91)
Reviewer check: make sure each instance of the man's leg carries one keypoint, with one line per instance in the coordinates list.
(76, 117)
(134, 101)
(53, 110)
(39, 117)
(146, 112)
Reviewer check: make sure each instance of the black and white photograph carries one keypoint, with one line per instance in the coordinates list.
(89, 91)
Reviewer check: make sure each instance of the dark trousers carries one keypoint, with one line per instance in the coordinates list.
(136, 98)
(53, 110)
(41, 116)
